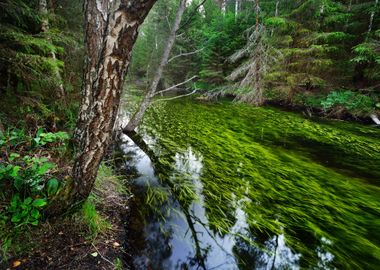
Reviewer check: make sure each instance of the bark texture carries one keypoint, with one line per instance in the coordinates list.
(111, 31)
(138, 116)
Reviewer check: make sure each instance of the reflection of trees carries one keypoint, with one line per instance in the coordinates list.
(158, 250)
(163, 169)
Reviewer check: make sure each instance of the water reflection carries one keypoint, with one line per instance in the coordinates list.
(178, 236)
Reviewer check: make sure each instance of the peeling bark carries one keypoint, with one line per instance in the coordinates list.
(138, 116)
(111, 31)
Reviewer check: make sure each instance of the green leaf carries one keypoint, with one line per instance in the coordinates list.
(13, 156)
(28, 201)
(14, 172)
(39, 202)
(35, 214)
(52, 186)
(34, 223)
(39, 132)
(18, 182)
(45, 167)
(16, 218)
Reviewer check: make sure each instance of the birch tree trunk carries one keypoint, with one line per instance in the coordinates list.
(224, 9)
(372, 16)
(237, 8)
(43, 11)
(111, 31)
(138, 116)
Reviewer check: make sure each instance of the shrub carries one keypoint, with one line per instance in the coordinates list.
(354, 102)
(26, 175)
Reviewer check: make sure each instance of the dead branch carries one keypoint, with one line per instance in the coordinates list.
(184, 54)
(184, 95)
(175, 86)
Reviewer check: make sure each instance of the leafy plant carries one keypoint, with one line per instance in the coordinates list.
(45, 138)
(354, 102)
(25, 211)
(27, 176)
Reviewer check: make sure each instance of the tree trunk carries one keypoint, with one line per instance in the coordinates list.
(111, 31)
(275, 14)
(237, 8)
(258, 91)
(43, 11)
(375, 119)
(138, 116)
(372, 16)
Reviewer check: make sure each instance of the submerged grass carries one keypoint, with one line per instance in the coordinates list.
(314, 182)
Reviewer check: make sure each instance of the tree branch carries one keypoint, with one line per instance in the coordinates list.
(184, 54)
(174, 86)
(185, 95)
(192, 14)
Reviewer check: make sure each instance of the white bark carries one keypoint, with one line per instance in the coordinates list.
(223, 7)
(237, 7)
(111, 31)
(375, 119)
(184, 54)
(372, 16)
(175, 86)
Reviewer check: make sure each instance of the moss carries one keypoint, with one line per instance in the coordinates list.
(308, 179)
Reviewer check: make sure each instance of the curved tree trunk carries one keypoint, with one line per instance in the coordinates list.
(111, 31)
(138, 116)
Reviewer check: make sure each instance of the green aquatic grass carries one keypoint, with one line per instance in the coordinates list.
(314, 181)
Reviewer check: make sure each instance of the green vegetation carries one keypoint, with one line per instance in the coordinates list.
(28, 179)
(315, 182)
(299, 51)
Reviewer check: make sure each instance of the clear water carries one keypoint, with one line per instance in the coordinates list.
(230, 186)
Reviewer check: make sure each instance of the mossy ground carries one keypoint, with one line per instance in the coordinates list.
(312, 180)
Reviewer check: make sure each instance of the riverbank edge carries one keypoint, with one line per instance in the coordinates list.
(91, 238)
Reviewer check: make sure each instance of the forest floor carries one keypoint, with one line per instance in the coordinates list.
(90, 239)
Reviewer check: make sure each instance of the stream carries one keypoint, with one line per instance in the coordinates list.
(230, 186)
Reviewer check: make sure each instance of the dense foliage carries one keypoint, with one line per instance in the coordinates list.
(303, 50)
(31, 56)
